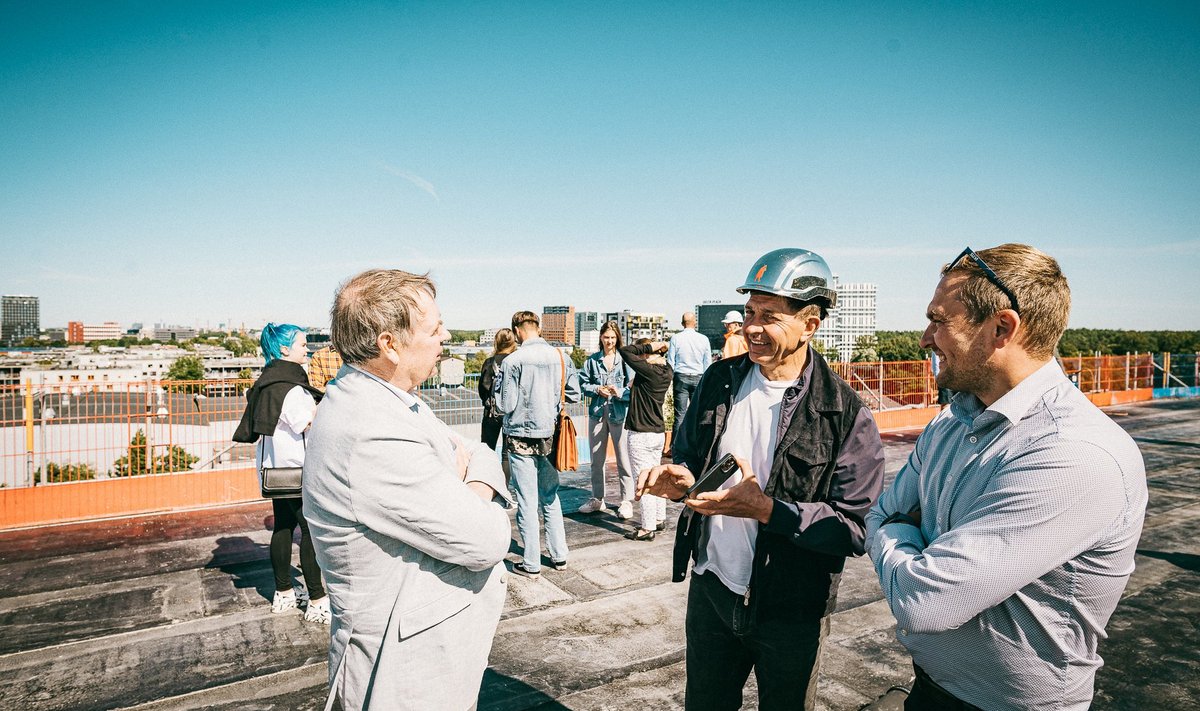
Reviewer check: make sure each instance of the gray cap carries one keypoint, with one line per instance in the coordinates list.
(795, 273)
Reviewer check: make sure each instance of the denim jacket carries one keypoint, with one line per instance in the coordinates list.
(527, 391)
(595, 375)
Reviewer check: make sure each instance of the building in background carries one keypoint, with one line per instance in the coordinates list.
(20, 318)
(588, 341)
(709, 317)
(488, 339)
(586, 321)
(853, 318)
(78, 332)
(163, 332)
(641, 324)
(558, 324)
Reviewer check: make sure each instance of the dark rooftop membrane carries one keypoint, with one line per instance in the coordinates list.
(173, 611)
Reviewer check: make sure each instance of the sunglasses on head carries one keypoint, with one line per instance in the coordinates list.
(989, 273)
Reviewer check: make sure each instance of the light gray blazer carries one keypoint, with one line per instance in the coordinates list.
(411, 555)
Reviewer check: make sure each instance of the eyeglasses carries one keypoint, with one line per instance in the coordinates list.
(989, 273)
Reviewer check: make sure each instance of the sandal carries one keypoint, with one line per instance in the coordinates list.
(641, 534)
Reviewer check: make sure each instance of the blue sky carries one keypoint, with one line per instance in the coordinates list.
(204, 162)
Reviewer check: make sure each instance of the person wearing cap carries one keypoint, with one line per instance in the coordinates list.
(770, 543)
(1006, 540)
(735, 342)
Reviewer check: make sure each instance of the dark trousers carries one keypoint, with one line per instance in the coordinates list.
(682, 389)
(722, 649)
(288, 515)
(927, 695)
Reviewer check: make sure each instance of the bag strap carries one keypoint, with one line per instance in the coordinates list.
(562, 388)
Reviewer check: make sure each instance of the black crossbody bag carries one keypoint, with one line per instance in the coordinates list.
(281, 482)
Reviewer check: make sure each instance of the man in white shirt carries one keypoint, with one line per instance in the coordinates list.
(689, 354)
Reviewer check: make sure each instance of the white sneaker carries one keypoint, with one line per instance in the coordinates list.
(318, 611)
(283, 601)
(625, 510)
(592, 506)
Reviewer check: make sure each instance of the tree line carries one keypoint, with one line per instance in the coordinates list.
(906, 345)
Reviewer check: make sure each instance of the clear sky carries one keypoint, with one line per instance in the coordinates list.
(203, 162)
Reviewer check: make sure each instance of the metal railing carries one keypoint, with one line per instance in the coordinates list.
(76, 431)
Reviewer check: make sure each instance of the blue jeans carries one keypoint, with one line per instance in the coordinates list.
(535, 486)
(724, 644)
(682, 389)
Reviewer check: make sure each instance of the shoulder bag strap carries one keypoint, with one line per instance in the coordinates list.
(562, 388)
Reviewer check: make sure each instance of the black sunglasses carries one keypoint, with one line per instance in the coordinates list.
(989, 273)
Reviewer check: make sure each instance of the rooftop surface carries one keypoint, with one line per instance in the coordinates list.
(172, 612)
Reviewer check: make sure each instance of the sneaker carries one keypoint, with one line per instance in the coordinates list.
(592, 506)
(520, 569)
(558, 564)
(283, 601)
(625, 510)
(318, 611)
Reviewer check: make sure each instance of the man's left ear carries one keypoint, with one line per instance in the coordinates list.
(1008, 322)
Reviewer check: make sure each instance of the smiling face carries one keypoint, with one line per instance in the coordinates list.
(776, 332)
(962, 347)
(297, 352)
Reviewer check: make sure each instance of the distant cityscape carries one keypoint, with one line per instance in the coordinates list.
(83, 352)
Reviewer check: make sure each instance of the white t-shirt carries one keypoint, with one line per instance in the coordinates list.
(286, 447)
(750, 433)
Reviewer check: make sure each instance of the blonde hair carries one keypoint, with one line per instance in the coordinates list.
(505, 342)
(370, 303)
(1037, 281)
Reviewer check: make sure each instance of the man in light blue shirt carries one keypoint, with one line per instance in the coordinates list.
(689, 354)
(1005, 542)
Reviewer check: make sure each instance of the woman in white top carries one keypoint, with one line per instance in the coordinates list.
(280, 407)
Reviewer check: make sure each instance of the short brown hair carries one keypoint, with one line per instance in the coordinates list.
(370, 303)
(1038, 283)
(521, 317)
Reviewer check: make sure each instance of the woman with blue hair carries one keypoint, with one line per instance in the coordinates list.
(280, 407)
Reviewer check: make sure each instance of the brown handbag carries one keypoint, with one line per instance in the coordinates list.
(566, 452)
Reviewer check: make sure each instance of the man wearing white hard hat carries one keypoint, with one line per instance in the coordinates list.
(770, 542)
(735, 342)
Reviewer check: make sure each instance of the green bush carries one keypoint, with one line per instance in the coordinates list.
(56, 473)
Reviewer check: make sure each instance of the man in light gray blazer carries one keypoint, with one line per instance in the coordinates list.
(407, 518)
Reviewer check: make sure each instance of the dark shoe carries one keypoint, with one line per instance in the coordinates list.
(641, 534)
(662, 526)
(558, 564)
(520, 569)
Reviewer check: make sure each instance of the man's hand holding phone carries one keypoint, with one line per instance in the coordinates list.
(742, 500)
(670, 481)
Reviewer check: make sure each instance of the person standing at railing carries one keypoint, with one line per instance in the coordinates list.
(493, 419)
(1005, 542)
(605, 381)
(279, 409)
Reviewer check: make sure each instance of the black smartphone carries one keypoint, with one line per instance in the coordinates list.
(714, 477)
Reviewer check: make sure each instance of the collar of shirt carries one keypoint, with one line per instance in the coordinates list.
(1013, 405)
(411, 401)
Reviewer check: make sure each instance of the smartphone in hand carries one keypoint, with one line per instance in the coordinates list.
(714, 477)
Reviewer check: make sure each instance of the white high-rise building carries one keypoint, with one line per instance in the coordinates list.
(853, 318)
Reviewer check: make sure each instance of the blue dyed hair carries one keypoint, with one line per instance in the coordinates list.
(275, 337)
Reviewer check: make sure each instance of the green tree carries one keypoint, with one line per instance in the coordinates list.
(865, 350)
(830, 354)
(578, 356)
(137, 460)
(56, 473)
(189, 367)
(899, 345)
(474, 363)
(246, 374)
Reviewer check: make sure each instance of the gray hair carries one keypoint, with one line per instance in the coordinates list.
(371, 303)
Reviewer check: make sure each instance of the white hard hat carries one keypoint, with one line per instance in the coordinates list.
(732, 317)
(794, 273)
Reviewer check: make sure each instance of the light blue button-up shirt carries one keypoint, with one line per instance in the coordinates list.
(689, 352)
(1031, 510)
